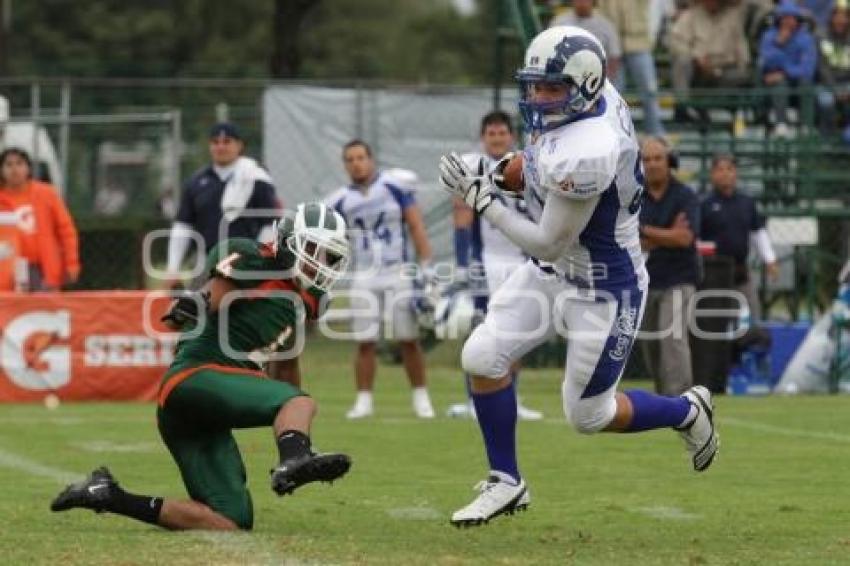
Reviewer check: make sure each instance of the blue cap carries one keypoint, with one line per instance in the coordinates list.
(225, 129)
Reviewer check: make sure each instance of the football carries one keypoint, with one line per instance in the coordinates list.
(512, 174)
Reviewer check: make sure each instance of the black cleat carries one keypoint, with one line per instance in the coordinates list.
(295, 472)
(91, 493)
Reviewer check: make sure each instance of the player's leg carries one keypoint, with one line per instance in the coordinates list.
(497, 272)
(242, 400)
(596, 358)
(517, 321)
(404, 328)
(367, 305)
(212, 472)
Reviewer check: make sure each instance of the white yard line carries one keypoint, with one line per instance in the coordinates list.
(784, 431)
(16, 462)
(666, 512)
(423, 513)
(249, 549)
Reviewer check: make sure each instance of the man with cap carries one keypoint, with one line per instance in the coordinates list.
(232, 197)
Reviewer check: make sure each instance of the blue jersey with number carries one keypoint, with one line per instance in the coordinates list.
(596, 155)
(375, 218)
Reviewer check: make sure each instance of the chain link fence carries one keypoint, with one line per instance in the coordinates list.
(120, 150)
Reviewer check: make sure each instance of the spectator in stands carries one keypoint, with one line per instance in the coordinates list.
(630, 18)
(46, 232)
(730, 220)
(787, 58)
(709, 49)
(233, 197)
(834, 71)
(669, 222)
(582, 16)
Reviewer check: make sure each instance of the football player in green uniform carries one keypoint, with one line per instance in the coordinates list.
(252, 308)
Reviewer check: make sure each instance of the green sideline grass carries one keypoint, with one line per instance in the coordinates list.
(779, 493)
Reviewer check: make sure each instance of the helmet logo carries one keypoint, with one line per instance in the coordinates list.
(570, 46)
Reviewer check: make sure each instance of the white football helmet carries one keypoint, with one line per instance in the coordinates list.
(317, 239)
(567, 55)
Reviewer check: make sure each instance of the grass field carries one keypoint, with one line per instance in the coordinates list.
(779, 494)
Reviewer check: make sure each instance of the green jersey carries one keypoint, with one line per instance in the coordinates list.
(262, 315)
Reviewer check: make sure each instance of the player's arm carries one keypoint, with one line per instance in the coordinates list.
(561, 222)
(463, 217)
(416, 225)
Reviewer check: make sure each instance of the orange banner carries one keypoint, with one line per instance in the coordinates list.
(83, 345)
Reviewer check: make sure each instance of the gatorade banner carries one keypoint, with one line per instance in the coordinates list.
(83, 345)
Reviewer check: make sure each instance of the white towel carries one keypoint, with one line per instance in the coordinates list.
(240, 186)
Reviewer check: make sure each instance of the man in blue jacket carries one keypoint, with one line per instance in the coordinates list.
(788, 57)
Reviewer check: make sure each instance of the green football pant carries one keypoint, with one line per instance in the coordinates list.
(198, 408)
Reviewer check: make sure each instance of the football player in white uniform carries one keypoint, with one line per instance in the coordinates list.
(476, 237)
(380, 209)
(585, 279)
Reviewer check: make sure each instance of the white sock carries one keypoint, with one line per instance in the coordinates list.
(364, 398)
(420, 395)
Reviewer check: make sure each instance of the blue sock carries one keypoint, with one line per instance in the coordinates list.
(497, 419)
(656, 411)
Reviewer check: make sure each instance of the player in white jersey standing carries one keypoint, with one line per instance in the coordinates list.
(585, 279)
(380, 208)
(476, 237)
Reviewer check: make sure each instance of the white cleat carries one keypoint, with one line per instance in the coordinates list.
(526, 414)
(461, 411)
(701, 440)
(360, 411)
(499, 495)
(423, 408)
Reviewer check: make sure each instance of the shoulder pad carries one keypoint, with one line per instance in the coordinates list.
(577, 167)
(402, 178)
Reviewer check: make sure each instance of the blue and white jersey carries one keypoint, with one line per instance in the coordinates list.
(375, 218)
(597, 154)
(489, 244)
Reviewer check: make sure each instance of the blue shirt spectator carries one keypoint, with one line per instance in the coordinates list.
(788, 57)
(667, 265)
(788, 47)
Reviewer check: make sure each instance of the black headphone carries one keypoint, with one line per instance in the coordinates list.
(672, 154)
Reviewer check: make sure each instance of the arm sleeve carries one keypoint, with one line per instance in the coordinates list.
(804, 69)
(178, 245)
(186, 210)
(690, 206)
(67, 233)
(761, 240)
(681, 36)
(403, 196)
(561, 222)
(265, 198)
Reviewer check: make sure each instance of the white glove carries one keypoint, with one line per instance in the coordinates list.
(458, 180)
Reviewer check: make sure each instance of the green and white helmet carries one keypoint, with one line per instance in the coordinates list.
(316, 236)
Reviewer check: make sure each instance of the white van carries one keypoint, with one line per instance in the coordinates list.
(24, 135)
